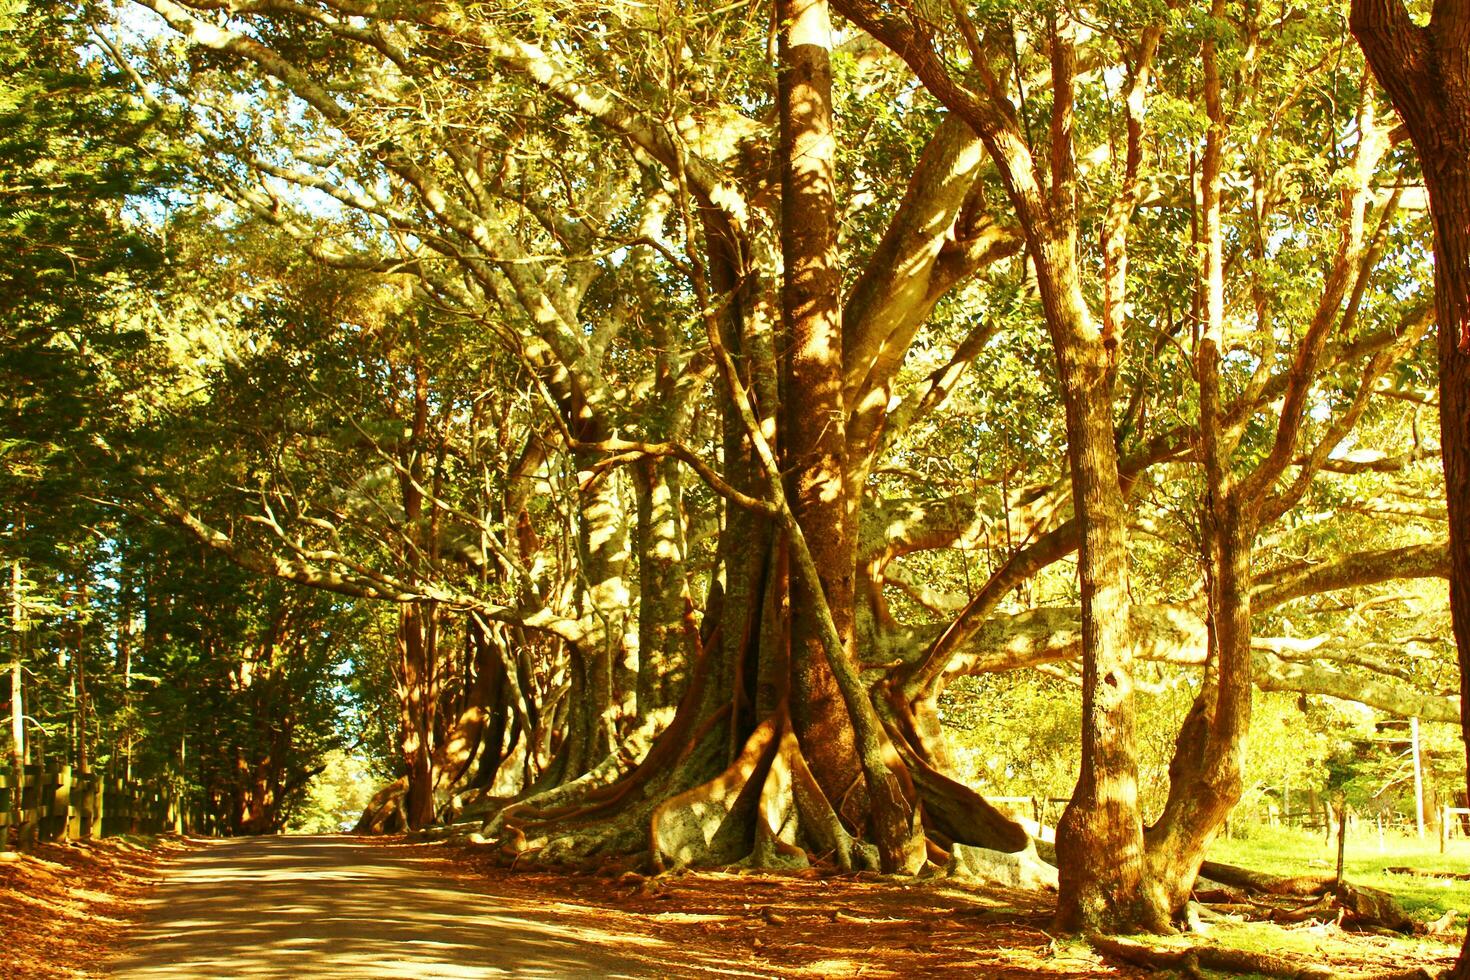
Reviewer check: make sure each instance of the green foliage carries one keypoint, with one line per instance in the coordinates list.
(335, 797)
(364, 322)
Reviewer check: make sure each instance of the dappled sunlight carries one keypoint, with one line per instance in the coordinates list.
(346, 907)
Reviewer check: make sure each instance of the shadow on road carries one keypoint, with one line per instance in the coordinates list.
(338, 907)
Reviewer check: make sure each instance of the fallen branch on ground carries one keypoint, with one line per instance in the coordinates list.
(1190, 960)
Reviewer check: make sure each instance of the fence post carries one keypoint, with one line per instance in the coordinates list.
(62, 804)
(30, 816)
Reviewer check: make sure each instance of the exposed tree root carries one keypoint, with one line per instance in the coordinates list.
(766, 809)
(1301, 886)
(1191, 960)
(819, 823)
(1352, 905)
(384, 812)
(955, 810)
(567, 798)
(704, 824)
(603, 814)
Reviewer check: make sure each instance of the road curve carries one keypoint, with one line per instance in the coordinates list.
(326, 908)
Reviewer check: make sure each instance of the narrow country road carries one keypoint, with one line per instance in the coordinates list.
(305, 908)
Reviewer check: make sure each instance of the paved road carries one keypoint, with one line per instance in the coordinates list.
(337, 907)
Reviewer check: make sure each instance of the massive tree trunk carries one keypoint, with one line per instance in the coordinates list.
(776, 750)
(1426, 71)
(836, 728)
(1450, 196)
(813, 430)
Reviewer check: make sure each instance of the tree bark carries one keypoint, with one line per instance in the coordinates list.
(1205, 773)
(17, 705)
(665, 643)
(1100, 834)
(1426, 71)
(839, 737)
(417, 652)
(812, 419)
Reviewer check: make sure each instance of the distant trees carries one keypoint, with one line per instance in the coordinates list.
(130, 652)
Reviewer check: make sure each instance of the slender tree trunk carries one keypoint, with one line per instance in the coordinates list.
(1205, 774)
(84, 760)
(610, 680)
(482, 694)
(1100, 835)
(666, 646)
(1100, 856)
(17, 704)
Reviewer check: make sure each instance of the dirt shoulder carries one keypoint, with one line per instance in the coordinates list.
(63, 906)
(809, 924)
(813, 925)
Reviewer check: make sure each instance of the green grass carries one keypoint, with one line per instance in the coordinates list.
(1285, 851)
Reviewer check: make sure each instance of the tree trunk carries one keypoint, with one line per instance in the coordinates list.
(481, 692)
(1205, 774)
(839, 738)
(1449, 193)
(814, 449)
(665, 642)
(17, 749)
(1100, 834)
(17, 705)
(1426, 71)
(84, 757)
(417, 651)
(606, 609)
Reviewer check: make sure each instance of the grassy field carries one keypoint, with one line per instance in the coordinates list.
(1348, 954)
(1286, 851)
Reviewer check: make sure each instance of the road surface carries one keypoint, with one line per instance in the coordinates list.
(324, 908)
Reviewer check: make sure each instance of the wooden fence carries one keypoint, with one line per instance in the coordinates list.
(67, 805)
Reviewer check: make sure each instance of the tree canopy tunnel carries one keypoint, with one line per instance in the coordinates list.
(702, 409)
